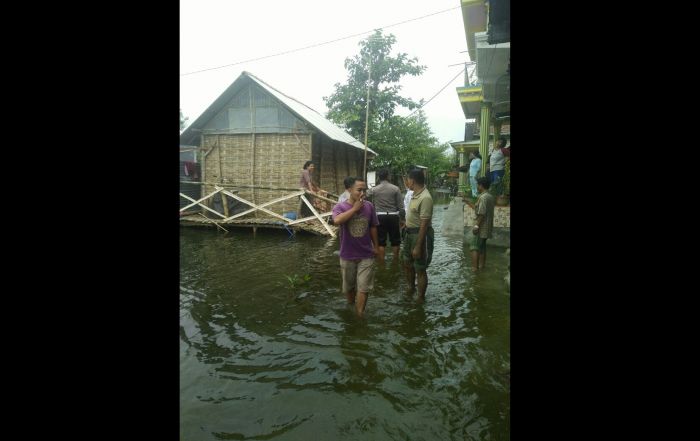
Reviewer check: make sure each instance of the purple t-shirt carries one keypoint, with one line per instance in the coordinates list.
(355, 240)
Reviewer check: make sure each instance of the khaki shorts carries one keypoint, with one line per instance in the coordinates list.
(358, 275)
(477, 244)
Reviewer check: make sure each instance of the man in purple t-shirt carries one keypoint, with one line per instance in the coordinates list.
(358, 222)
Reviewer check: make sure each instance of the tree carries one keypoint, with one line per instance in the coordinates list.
(348, 103)
(404, 141)
(399, 141)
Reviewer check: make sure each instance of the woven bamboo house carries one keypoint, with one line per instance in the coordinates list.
(254, 140)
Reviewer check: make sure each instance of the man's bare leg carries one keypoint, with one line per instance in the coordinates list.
(395, 252)
(475, 260)
(380, 253)
(422, 285)
(361, 303)
(410, 277)
(351, 297)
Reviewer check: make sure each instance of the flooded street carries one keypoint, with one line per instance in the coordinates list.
(270, 350)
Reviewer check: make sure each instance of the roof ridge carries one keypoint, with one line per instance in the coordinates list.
(279, 91)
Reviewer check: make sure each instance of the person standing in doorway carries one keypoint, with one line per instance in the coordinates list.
(390, 210)
(483, 223)
(358, 221)
(417, 243)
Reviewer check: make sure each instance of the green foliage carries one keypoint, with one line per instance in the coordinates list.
(295, 280)
(403, 141)
(399, 141)
(348, 103)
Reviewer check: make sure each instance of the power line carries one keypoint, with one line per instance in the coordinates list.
(438, 93)
(318, 44)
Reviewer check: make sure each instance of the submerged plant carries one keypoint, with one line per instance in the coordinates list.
(295, 280)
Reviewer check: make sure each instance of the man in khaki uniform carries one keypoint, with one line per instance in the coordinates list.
(417, 243)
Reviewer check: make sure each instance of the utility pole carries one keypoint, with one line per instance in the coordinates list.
(369, 81)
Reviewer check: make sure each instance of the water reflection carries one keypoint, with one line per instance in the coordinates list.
(261, 358)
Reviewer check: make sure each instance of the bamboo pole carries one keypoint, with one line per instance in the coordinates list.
(347, 162)
(203, 187)
(202, 205)
(306, 219)
(224, 199)
(303, 147)
(369, 81)
(322, 198)
(318, 216)
(257, 207)
(259, 187)
(204, 157)
(252, 160)
(334, 155)
(196, 202)
(213, 222)
(251, 104)
(224, 202)
(221, 169)
(274, 201)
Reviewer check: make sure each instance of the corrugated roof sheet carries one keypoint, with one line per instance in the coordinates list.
(302, 110)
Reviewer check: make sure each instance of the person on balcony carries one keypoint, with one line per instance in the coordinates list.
(474, 171)
(497, 162)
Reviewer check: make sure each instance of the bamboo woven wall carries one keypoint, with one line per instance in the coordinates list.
(276, 161)
(337, 161)
(328, 170)
(349, 163)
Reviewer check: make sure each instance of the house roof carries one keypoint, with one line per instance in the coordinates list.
(298, 108)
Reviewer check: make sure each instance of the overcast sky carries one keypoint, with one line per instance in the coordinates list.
(219, 32)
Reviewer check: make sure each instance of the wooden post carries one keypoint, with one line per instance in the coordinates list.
(319, 147)
(251, 104)
(484, 136)
(335, 168)
(224, 202)
(252, 168)
(221, 169)
(204, 165)
(347, 162)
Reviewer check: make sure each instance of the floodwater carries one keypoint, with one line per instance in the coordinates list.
(266, 354)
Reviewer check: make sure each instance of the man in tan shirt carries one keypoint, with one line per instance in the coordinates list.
(483, 224)
(417, 243)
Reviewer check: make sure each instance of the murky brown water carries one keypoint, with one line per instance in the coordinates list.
(265, 358)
